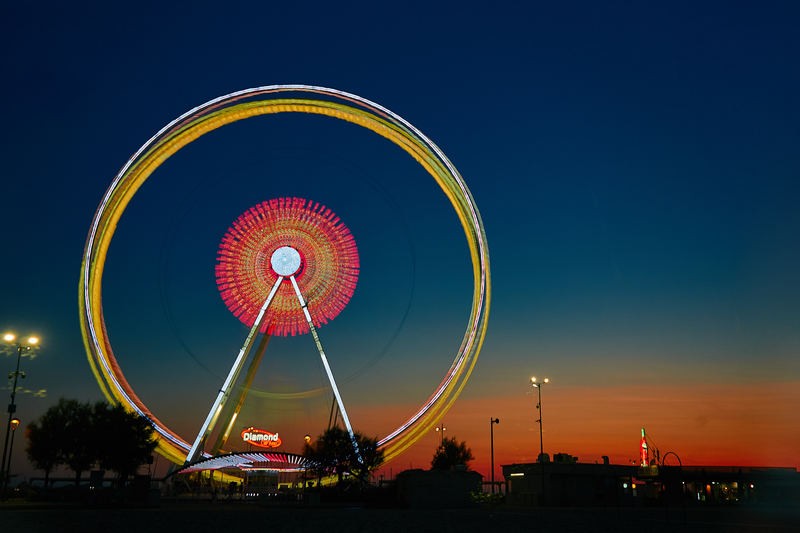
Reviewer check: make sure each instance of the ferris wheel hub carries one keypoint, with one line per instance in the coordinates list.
(285, 261)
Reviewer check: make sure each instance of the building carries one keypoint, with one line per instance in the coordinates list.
(566, 482)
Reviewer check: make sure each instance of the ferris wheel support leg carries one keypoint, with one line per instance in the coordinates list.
(327, 366)
(234, 403)
(225, 391)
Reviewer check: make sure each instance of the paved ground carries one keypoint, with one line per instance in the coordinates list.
(243, 517)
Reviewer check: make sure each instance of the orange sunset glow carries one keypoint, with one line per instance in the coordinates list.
(703, 424)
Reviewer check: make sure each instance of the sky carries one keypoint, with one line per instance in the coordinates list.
(635, 167)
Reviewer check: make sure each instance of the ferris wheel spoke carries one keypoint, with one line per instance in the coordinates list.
(224, 392)
(327, 366)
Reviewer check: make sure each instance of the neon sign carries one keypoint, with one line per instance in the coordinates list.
(261, 438)
(643, 450)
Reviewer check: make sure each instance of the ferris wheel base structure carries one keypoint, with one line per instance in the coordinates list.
(263, 101)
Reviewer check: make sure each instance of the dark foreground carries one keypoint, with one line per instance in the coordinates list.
(246, 517)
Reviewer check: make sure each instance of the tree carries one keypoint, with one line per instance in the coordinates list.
(77, 435)
(43, 449)
(451, 453)
(334, 453)
(62, 436)
(78, 449)
(369, 459)
(132, 436)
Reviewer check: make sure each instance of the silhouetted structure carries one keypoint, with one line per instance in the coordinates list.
(438, 488)
(565, 482)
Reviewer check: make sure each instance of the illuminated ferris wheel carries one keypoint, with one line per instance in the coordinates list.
(285, 267)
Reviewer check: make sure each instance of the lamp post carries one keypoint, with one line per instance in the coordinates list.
(492, 422)
(29, 344)
(14, 425)
(440, 429)
(538, 386)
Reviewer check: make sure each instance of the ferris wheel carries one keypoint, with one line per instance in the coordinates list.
(285, 267)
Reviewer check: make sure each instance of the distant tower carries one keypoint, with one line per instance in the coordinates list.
(643, 450)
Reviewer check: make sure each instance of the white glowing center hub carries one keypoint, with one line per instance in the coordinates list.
(285, 261)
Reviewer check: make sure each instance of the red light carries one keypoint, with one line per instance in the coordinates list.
(261, 438)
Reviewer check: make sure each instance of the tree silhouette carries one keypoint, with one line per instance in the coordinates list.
(43, 449)
(451, 453)
(131, 437)
(78, 450)
(333, 453)
(369, 459)
(62, 436)
(81, 435)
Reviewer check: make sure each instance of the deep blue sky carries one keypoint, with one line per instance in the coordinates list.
(636, 167)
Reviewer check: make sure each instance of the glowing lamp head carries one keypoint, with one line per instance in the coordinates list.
(14, 423)
(30, 341)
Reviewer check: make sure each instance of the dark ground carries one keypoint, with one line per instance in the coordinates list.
(249, 517)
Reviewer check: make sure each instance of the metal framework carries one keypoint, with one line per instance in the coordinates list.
(304, 243)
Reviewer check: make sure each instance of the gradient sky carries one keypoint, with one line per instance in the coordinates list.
(636, 168)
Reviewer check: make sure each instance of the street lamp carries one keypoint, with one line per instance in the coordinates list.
(492, 422)
(14, 425)
(29, 344)
(538, 386)
(440, 429)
